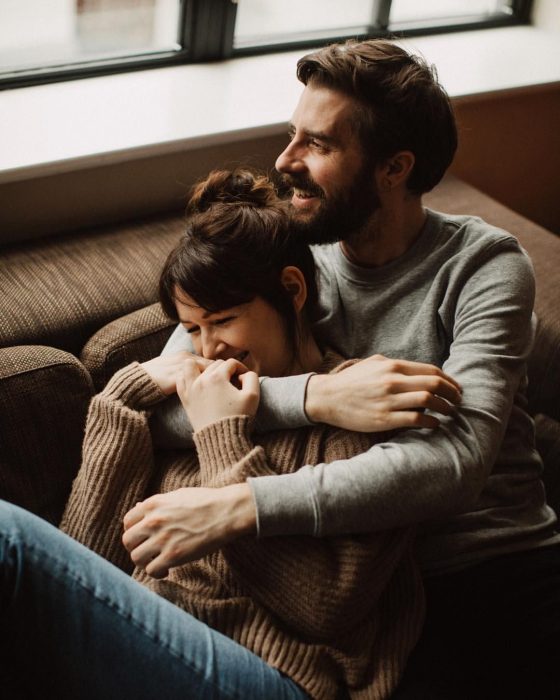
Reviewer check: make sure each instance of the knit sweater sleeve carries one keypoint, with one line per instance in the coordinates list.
(320, 587)
(117, 463)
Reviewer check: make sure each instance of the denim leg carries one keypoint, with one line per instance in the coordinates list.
(74, 626)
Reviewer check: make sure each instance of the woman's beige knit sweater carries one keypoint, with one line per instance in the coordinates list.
(331, 613)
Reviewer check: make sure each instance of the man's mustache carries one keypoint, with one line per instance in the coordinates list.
(300, 182)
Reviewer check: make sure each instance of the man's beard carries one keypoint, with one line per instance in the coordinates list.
(337, 218)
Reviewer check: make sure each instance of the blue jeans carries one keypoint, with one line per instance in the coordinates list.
(74, 626)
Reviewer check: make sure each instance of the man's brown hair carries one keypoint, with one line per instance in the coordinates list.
(403, 106)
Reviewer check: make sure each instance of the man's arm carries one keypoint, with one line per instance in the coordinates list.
(423, 475)
(389, 389)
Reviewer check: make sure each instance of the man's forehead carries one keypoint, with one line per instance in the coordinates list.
(326, 111)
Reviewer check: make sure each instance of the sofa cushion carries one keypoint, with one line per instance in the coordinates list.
(44, 396)
(139, 336)
(59, 291)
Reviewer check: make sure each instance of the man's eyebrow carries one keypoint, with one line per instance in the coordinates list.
(320, 135)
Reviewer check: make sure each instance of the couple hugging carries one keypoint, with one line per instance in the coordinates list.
(322, 526)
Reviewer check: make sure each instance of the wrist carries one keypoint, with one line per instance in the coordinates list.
(242, 509)
(317, 398)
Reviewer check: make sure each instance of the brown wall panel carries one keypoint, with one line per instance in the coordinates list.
(510, 149)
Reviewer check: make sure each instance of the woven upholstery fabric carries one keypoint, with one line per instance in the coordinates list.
(58, 292)
(44, 396)
(138, 336)
(548, 443)
(456, 197)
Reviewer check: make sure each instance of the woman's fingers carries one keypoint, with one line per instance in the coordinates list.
(226, 368)
(188, 373)
(249, 382)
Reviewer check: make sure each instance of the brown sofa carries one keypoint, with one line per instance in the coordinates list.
(75, 308)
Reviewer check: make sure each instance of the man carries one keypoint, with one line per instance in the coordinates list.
(373, 131)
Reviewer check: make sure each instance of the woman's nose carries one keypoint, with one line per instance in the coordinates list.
(212, 347)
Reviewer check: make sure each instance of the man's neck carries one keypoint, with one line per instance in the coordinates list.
(390, 232)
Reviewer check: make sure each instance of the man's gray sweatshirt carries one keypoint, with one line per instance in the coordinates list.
(460, 298)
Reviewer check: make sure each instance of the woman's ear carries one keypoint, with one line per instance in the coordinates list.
(293, 280)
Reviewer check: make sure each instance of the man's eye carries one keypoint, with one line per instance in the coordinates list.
(193, 329)
(317, 145)
(223, 321)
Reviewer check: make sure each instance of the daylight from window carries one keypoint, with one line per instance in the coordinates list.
(45, 35)
(270, 21)
(35, 33)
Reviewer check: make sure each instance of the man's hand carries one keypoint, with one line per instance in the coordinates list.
(164, 370)
(209, 395)
(379, 394)
(170, 529)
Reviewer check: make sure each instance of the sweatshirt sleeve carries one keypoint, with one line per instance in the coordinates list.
(281, 404)
(117, 464)
(350, 572)
(422, 475)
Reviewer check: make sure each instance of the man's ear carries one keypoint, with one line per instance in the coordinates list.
(293, 280)
(395, 170)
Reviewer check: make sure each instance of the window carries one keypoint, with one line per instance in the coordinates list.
(49, 40)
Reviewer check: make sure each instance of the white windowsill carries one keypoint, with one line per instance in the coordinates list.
(67, 126)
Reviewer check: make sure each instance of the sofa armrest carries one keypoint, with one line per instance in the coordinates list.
(44, 397)
(139, 336)
(548, 444)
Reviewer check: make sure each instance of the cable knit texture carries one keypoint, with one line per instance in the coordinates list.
(331, 613)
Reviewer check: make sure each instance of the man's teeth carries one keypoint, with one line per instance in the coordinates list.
(302, 194)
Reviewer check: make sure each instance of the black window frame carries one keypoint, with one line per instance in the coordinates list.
(206, 33)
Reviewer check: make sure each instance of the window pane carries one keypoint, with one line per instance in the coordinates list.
(427, 10)
(273, 21)
(38, 33)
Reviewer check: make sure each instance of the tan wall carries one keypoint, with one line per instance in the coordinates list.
(510, 148)
(118, 192)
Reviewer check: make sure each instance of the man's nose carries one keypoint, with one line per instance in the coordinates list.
(289, 160)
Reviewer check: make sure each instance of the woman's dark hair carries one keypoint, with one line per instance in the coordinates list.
(403, 106)
(236, 244)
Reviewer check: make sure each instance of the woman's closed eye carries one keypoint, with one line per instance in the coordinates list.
(217, 322)
(223, 321)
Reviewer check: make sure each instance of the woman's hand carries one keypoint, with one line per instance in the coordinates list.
(378, 394)
(209, 394)
(170, 529)
(164, 369)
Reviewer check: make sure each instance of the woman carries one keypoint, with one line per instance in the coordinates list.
(298, 617)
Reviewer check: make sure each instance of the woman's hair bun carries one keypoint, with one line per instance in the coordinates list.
(241, 186)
